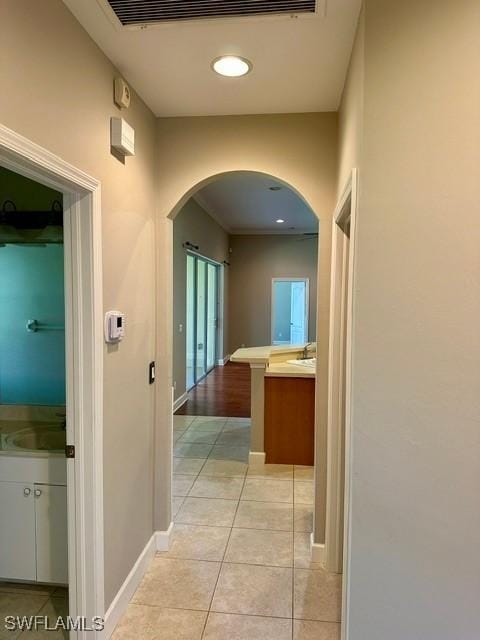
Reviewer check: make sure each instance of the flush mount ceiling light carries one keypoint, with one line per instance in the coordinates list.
(279, 221)
(231, 66)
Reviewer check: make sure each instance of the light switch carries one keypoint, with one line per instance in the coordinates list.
(180, 328)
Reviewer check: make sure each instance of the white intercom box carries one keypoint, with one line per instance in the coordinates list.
(114, 326)
(122, 136)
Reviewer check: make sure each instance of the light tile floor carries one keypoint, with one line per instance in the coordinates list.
(22, 599)
(239, 563)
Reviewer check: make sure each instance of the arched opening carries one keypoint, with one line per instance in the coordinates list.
(212, 455)
(198, 186)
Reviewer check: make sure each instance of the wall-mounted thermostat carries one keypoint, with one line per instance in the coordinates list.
(122, 93)
(122, 136)
(114, 326)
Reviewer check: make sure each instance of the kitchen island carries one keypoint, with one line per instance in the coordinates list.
(282, 403)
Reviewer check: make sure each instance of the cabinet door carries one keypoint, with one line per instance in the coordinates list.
(51, 530)
(17, 531)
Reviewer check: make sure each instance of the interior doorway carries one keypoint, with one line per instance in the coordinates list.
(83, 455)
(340, 387)
(290, 308)
(33, 489)
(229, 506)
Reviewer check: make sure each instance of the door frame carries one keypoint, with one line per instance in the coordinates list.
(272, 308)
(339, 444)
(84, 365)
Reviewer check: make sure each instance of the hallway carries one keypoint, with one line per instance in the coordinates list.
(239, 562)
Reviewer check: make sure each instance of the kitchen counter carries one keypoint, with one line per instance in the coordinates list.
(288, 370)
(266, 364)
(269, 353)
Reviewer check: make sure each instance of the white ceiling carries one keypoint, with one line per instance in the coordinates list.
(243, 203)
(299, 63)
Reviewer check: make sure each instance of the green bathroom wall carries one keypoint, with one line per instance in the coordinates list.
(32, 364)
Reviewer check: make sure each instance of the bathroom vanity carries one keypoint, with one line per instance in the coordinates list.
(33, 495)
(282, 403)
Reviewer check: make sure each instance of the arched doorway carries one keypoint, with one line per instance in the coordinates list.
(164, 392)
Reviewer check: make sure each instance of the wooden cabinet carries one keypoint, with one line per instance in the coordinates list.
(289, 420)
(33, 530)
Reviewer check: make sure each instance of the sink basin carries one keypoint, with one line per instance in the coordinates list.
(46, 438)
(307, 362)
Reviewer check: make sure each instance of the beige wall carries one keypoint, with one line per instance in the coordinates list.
(57, 91)
(350, 115)
(298, 149)
(193, 224)
(414, 568)
(254, 261)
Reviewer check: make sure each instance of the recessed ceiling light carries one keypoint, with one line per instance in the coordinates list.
(280, 221)
(231, 66)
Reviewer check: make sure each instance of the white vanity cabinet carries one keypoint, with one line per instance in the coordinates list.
(33, 531)
(17, 531)
(51, 533)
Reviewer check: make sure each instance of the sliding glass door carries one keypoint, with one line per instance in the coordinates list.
(201, 334)
(212, 291)
(200, 361)
(190, 329)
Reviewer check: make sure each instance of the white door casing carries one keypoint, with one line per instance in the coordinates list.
(84, 364)
(339, 436)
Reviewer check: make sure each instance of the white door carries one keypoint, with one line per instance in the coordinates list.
(51, 530)
(17, 531)
(289, 310)
(297, 313)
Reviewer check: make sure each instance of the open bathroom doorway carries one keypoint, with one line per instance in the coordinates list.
(51, 363)
(33, 473)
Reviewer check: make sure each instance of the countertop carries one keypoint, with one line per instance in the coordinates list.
(287, 370)
(262, 355)
(274, 358)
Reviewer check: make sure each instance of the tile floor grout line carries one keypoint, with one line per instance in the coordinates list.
(250, 528)
(246, 615)
(223, 558)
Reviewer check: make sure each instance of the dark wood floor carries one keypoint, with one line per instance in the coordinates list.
(224, 392)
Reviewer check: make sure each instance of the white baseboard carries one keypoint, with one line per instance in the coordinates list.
(125, 593)
(160, 541)
(179, 402)
(221, 362)
(317, 551)
(256, 457)
(162, 538)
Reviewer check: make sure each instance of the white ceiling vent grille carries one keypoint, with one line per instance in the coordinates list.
(132, 12)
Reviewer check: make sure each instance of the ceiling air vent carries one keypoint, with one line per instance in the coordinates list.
(131, 12)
